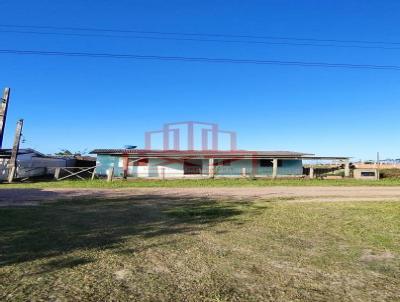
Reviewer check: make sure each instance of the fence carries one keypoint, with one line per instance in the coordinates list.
(82, 173)
(59, 173)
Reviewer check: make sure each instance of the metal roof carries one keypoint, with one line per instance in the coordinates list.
(7, 152)
(326, 157)
(200, 153)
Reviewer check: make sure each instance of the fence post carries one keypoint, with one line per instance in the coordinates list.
(93, 173)
(311, 172)
(244, 173)
(110, 174)
(163, 173)
(57, 173)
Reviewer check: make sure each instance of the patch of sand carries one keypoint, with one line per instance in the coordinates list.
(122, 274)
(369, 256)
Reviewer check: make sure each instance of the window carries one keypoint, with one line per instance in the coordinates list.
(268, 163)
(367, 174)
(265, 163)
(222, 162)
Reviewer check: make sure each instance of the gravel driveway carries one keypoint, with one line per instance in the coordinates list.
(295, 194)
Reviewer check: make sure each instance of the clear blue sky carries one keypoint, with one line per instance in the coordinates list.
(86, 103)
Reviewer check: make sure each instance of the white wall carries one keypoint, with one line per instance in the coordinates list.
(156, 168)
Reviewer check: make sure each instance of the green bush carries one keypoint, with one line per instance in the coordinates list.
(390, 173)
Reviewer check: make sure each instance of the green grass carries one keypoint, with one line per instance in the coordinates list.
(222, 182)
(158, 248)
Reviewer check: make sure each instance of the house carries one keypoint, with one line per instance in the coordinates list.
(32, 163)
(199, 163)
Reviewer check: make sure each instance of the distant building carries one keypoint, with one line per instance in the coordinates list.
(366, 173)
(31, 163)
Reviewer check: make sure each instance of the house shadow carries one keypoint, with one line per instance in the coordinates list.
(54, 229)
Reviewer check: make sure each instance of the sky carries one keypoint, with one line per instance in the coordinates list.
(82, 103)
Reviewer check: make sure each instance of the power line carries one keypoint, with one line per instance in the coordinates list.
(200, 59)
(197, 39)
(196, 34)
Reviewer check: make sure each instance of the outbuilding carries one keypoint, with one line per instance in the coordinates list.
(32, 163)
(366, 173)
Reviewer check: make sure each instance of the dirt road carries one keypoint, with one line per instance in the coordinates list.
(295, 194)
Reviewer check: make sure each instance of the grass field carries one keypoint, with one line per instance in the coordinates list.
(221, 182)
(199, 249)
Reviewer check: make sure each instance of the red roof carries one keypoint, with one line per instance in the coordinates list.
(200, 153)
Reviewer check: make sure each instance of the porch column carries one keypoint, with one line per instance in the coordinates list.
(125, 162)
(254, 164)
(347, 169)
(211, 171)
(274, 168)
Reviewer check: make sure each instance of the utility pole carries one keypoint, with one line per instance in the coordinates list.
(3, 113)
(12, 165)
(377, 166)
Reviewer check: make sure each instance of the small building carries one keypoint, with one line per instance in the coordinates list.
(193, 163)
(32, 163)
(366, 173)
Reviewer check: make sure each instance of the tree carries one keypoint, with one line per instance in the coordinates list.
(66, 153)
